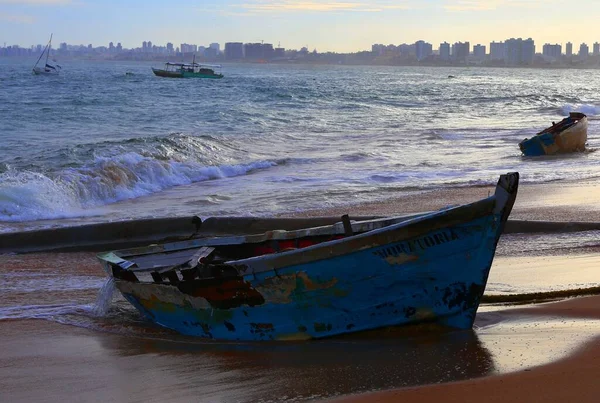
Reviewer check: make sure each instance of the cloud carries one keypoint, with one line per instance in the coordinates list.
(311, 6)
(486, 5)
(20, 19)
(38, 2)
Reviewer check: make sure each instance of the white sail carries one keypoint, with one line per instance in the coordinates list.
(47, 69)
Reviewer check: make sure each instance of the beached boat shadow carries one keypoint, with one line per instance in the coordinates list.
(280, 371)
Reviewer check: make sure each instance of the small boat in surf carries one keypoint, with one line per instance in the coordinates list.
(318, 282)
(48, 69)
(568, 135)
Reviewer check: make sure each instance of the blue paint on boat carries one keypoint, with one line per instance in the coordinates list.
(437, 275)
(534, 147)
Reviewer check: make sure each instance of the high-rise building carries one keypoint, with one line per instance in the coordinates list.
(268, 51)
(445, 51)
(497, 51)
(119, 47)
(187, 48)
(170, 49)
(584, 51)
(461, 51)
(216, 47)
(423, 50)
(569, 49)
(378, 49)
(596, 49)
(210, 53)
(253, 51)
(393, 49)
(405, 50)
(527, 51)
(552, 52)
(519, 51)
(279, 52)
(262, 51)
(234, 50)
(479, 52)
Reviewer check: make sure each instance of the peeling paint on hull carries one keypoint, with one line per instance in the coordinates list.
(378, 287)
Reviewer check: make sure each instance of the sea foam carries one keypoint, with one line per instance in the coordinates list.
(588, 109)
(74, 192)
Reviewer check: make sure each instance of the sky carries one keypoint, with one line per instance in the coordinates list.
(325, 25)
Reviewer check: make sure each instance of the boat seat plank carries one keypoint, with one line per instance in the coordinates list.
(158, 262)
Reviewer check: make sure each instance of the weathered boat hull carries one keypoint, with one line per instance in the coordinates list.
(554, 140)
(432, 268)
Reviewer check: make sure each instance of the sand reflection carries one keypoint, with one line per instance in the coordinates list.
(288, 371)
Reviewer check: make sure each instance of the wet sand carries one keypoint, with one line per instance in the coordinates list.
(556, 201)
(572, 379)
(54, 347)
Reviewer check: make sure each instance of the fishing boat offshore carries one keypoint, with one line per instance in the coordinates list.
(188, 70)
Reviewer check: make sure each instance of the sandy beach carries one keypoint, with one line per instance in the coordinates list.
(572, 379)
(58, 346)
(555, 201)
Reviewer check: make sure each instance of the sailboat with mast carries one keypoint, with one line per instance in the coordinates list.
(48, 69)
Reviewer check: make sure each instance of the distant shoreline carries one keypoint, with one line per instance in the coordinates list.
(295, 62)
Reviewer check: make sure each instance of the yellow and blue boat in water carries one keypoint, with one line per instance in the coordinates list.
(568, 135)
(295, 283)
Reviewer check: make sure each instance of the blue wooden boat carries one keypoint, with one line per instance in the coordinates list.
(323, 281)
(568, 135)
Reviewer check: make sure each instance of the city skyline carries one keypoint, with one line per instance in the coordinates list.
(512, 52)
(337, 26)
(484, 48)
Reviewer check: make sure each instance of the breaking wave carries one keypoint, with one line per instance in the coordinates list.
(588, 109)
(73, 192)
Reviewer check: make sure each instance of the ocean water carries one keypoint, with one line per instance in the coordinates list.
(95, 145)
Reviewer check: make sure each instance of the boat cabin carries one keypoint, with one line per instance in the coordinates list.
(197, 68)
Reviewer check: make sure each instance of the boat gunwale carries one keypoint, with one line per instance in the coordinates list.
(400, 231)
(394, 233)
(119, 256)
